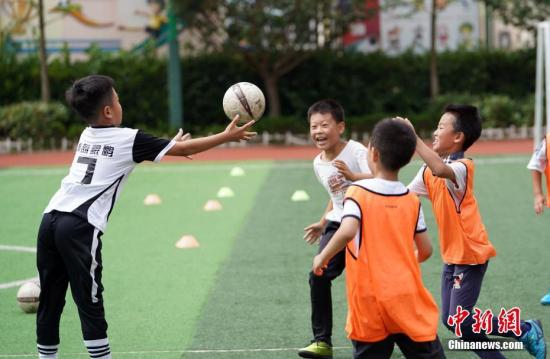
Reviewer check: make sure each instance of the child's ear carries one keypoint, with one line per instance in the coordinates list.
(375, 154)
(341, 127)
(459, 137)
(107, 112)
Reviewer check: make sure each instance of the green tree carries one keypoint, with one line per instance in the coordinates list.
(17, 14)
(44, 81)
(273, 36)
(521, 13)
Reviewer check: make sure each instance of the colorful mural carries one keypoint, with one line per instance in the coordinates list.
(78, 24)
(394, 29)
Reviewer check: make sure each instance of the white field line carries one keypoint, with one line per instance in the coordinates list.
(171, 168)
(17, 248)
(191, 351)
(17, 283)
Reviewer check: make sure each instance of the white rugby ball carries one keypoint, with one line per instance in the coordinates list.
(244, 99)
(28, 297)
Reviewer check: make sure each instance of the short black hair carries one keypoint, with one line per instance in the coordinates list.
(395, 141)
(88, 95)
(467, 121)
(327, 106)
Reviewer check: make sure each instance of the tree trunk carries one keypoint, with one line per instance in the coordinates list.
(44, 82)
(273, 99)
(434, 83)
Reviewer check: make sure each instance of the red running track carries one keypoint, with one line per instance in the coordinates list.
(47, 158)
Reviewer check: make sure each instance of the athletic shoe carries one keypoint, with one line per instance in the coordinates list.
(546, 299)
(533, 340)
(316, 350)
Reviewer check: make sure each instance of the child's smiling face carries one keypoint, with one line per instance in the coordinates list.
(445, 137)
(325, 131)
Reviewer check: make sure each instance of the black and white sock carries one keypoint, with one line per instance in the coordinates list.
(47, 351)
(98, 349)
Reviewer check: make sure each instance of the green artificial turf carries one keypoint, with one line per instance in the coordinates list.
(153, 291)
(261, 300)
(246, 287)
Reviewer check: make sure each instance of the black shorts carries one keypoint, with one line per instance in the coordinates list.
(410, 349)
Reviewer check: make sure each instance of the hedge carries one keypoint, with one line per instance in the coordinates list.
(369, 86)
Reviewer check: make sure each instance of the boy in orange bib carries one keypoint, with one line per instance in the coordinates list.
(381, 224)
(539, 165)
(447, 179)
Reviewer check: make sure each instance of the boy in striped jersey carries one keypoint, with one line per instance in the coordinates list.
(69, 237)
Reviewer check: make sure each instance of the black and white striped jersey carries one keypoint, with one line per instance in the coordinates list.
(104, 159)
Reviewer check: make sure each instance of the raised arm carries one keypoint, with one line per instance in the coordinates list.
(432, 159)
(231, 133)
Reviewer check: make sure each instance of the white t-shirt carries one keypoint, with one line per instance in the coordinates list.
(104, 159)
(354, 155)
(457, 189)
(378, 185)
(539, 161)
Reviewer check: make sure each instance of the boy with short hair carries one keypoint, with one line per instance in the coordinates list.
(447, 179)
(69, 237)
(339, 163)
(382, 223)
(539, 165)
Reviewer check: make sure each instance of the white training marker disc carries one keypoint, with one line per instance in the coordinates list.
(226, 192)
(237, 172)
(299, 196)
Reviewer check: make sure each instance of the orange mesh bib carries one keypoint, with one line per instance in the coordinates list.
(383, 279)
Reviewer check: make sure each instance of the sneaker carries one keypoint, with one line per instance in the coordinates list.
(546, 299)
(533, 340)
(316, 350)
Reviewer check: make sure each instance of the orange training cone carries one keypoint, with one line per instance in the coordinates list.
(212, 205)
(187, 241)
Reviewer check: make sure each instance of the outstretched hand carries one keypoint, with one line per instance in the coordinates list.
(313, 232)
(236, 133)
